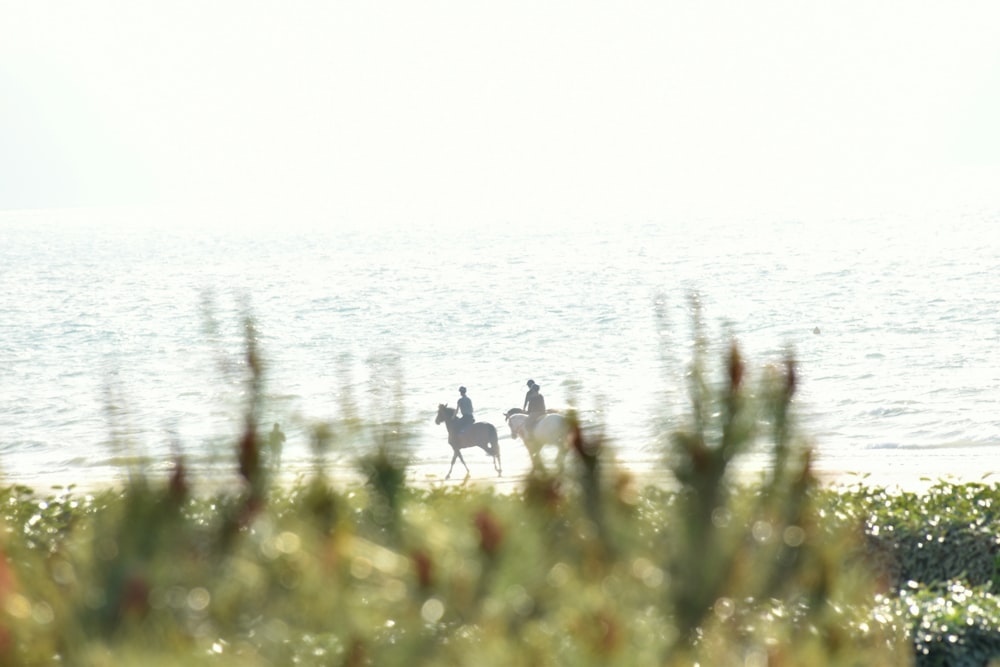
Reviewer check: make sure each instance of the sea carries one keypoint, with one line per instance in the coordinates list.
(124, 336)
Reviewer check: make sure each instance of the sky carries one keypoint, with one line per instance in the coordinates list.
(476, 111)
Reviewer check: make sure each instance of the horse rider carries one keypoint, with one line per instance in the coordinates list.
(536, 407)
(465, 410)
(527, 395)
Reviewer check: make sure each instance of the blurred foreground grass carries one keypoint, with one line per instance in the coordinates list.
(576, 567)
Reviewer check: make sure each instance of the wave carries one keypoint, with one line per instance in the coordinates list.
(944, 446)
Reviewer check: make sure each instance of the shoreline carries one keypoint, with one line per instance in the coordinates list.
(907, 474)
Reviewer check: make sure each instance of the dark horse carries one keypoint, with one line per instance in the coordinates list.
(477, 434)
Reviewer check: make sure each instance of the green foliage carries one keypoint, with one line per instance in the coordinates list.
(946, 532)
(313, 579)
(578, 568)
(951, 623)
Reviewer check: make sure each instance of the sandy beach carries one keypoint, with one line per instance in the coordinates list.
(906, 470)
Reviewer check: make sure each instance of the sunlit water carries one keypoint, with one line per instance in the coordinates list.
(108, 350)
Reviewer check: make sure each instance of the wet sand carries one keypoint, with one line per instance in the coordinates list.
(908, 470)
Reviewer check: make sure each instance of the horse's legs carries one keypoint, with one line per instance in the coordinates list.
(458, 455)
(535, 452)
(492, 448)
(496, 456)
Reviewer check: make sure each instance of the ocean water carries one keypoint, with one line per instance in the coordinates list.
(121, 334)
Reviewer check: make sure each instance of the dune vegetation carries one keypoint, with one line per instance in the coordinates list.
(578, 566)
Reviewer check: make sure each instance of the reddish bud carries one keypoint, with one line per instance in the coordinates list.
(425, 568)
(135, 595)
(357, 655)
(610, 635)
(8, 582)
(178, 481)
(586, 450)
(790, 377)
(490, 533)
(736, 367)
(249, 454)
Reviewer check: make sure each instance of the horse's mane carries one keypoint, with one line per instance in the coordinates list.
(514, 411)
(518, 411)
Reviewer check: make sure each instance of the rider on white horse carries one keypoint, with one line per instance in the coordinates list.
(536, 407)
(527, 395)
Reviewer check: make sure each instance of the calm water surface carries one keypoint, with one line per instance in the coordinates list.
(121, 334)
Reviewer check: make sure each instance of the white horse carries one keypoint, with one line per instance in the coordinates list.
(552, 429)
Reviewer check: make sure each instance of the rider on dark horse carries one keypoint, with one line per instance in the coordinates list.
(536, 407)
(465, 409)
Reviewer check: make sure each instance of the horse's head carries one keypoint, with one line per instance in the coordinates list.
(513, 411)
(444, 413)
(516, 420)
